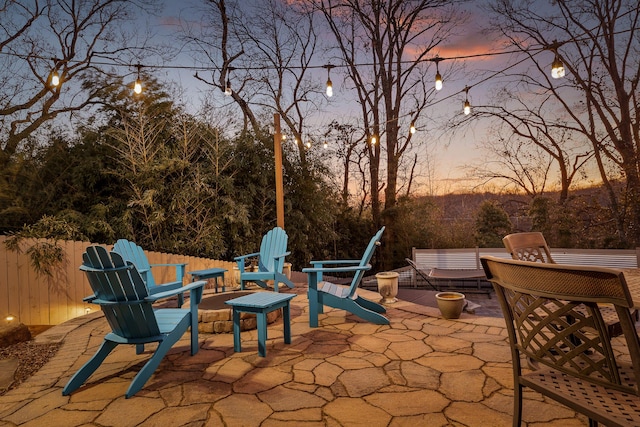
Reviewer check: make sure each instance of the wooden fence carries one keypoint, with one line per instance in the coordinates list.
(42, 300)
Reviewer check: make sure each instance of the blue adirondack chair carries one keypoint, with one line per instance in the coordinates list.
(323, 293)
(273, 250)
(135, 254)
(123, 297)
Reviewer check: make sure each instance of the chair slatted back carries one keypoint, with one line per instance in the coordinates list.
(274, 243)
(132, 252)
(544, 309)
(530, 246)
(120, 292)
(366, 260)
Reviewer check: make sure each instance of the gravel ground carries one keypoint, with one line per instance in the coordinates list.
(31, 357)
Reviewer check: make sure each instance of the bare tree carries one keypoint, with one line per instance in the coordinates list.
(598, 43)
(395, 39)
(263, 52)
(348, 151)
(529, 146)
(38, 38)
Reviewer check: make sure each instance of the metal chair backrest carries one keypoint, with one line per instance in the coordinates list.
(543, 305)
(529, 246)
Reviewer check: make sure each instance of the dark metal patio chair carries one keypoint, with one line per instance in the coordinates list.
(552, 317)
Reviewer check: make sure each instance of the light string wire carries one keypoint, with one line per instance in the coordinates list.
(437, 58)
(532, 51)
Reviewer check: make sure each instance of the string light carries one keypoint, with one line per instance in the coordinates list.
(325, 145)
(227, 90)
(308, 143)
(412, 128)
(10, 318)
(467, 105)
(374, 140)
(437, 60)
(329, 84)
(137, 86)
(557, 68)
(55, 78)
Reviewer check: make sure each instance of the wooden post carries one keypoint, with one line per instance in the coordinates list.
(277, 148)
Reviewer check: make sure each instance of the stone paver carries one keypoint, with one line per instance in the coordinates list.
(419, 370)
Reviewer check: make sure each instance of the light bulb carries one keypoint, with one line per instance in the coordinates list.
(412, 129)
(325, 145)
(374, 140)
(137, 87)
(467, 107)
(329, 88)
(308, 144)
(228, 90)
(557, 68)
(438, 81)
(55, 79)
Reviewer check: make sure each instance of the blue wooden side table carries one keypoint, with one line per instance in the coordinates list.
(261, 303)
(211, 273)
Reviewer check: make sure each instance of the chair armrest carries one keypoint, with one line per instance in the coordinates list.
(180, 268)
(353, 268)
(158, 288)
(129, 266)
(315, 274)
(336, 261)
(238, 258)
(282, 255)
(167, 294)
(176, 264)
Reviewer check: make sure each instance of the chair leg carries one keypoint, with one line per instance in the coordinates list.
(261, 320)
(363, 312)
(286, 318)
(312, 295)
(150, 367)
(260, 283)
(195, 345)
(370, 305)
(517, 405)
(237, 342)
(281, 278)
(89, 368)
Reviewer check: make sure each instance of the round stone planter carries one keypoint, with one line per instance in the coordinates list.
(388, 286)
(450, 304)
(216, 317)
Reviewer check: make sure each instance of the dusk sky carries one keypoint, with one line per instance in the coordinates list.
(450, 152)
